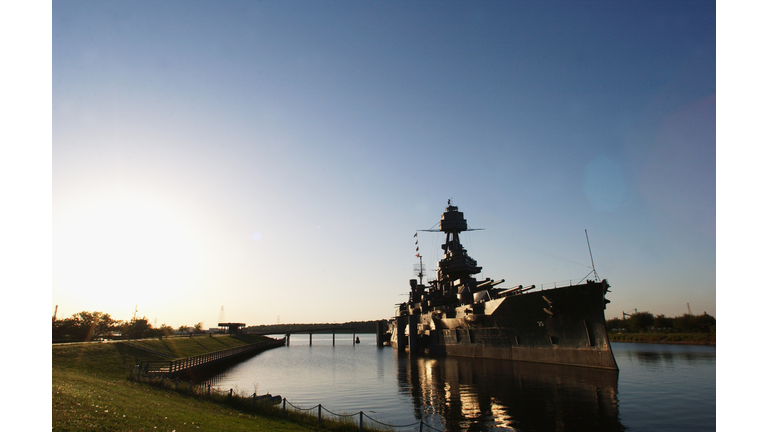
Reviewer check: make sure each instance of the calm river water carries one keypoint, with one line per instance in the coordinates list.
(658, 388)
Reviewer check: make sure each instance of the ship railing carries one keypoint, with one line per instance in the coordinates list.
(557, 284)
(541, 287)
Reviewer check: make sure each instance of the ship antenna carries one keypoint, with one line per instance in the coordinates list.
(597, 278)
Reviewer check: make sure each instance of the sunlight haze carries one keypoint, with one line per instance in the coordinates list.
(277, 158)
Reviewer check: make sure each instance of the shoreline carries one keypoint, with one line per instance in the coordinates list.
(712, 344)
(703, 339)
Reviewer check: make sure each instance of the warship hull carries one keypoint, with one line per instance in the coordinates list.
(557, 326)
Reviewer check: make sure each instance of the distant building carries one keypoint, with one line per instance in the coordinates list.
(232, 328)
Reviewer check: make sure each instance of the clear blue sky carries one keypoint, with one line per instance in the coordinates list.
(276, 158)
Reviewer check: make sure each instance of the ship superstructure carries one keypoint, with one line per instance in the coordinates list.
(456, 314)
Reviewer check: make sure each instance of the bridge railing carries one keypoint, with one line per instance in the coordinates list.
(172, 368)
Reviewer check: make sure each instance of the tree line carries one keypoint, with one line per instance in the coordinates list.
(358, 326)
(646, 321)
(86, 326)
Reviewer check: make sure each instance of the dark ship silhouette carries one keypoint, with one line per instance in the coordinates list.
(458, 315)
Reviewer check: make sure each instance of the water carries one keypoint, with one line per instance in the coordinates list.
(658, 388)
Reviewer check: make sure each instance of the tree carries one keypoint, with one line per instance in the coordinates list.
(704, 322)
(166, 330)
(137, 329)
(640, 321)
(685, 323)
(662, 322)
(199, 327)
(84, 326)
(615, 323)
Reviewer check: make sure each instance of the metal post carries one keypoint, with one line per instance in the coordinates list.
(413, 333)
(230, 392)
(284, 399)
(254, 401)
(334, 338)
(319, 415)
(209, 389)
(310, 338)
(379, 333)
(361, 421)
(401, 342)
(353, 338)
(421, 425)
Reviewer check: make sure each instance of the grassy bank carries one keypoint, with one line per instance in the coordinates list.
(90, 390)
(668, 338)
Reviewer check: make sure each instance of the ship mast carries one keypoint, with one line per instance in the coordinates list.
(456, 264)
(419, 268)
(597, 278)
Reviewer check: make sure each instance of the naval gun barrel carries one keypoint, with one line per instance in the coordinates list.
(489, 283)
(517, 290)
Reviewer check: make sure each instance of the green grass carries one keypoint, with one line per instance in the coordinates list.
(91, 391)
(670, 338)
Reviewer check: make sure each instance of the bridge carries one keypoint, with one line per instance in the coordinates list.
(377, 327)
(325, 329)
(311, 331)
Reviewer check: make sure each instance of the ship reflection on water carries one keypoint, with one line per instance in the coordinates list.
(467, 394)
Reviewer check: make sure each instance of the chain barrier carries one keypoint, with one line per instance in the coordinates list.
(390, 425)
(208, 390)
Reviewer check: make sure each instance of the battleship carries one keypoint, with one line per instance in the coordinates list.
(458, 315)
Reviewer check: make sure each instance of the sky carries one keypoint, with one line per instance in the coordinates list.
(275, 159)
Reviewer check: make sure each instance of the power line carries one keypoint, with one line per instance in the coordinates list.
(549, 254)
